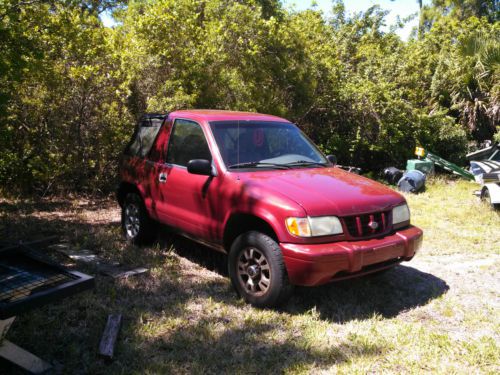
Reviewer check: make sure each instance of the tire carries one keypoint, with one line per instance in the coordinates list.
(257, 270)
(137, 227)
(486, 198)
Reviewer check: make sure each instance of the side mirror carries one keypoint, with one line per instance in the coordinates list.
(332, 159)
(200, 166)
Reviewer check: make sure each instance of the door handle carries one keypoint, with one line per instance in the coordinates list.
(162, 177)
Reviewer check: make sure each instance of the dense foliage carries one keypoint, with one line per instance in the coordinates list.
(72, 89)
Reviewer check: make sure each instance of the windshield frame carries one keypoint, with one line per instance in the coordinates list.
(323, 159)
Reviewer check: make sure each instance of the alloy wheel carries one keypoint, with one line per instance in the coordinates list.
(132, 220)
(254, 272)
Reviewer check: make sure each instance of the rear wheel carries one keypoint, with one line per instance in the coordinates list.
(257, 270)
(137, 227)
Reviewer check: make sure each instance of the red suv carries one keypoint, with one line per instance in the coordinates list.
(255, 187)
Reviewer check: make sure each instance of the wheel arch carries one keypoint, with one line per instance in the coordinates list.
(125, 188)
(239, 223)
(493, 191)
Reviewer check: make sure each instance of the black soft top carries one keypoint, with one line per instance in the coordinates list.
(145, 133)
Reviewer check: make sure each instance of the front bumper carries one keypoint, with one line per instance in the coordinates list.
(317, 264)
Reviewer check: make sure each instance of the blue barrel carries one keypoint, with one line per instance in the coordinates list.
(412, 182)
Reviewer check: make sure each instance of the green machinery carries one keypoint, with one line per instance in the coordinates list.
(429, 158)
(424, 166)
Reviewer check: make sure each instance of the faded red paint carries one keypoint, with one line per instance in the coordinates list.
(201, 206)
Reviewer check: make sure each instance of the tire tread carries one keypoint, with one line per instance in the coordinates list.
(281, 289)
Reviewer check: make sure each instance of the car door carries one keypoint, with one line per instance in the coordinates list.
(186, 200)
(155, 171)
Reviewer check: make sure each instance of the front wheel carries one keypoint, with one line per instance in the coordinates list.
(257, 270)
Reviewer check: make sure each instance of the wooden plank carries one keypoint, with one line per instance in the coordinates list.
(4, 327)
(83, 255)
(109, 336)
(109, 269)
(24, 359)
(117, 273)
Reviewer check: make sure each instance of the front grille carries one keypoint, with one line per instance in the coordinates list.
(363, 225)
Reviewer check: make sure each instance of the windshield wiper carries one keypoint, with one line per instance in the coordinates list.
(306, 163)
(252, 164)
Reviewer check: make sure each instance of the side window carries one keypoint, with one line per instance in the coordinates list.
(187, 142)
(159, 149)
(144, 135)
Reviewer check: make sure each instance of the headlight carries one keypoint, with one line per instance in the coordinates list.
(299, 226)
(314, 226)
(400, 214)
(325, 225)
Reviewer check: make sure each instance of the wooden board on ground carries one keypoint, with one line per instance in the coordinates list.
(23, 358)
(109, 336)
(81, 255)
(113, 270)
(118, 272)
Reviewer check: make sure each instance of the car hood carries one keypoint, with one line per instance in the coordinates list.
(326, 191)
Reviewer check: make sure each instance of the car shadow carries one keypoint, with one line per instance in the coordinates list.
(197, 253)
(386, 294)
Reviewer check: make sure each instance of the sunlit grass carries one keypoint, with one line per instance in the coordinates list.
(454, 220)
(438, 313)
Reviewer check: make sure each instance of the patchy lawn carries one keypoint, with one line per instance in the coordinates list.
(438, 313)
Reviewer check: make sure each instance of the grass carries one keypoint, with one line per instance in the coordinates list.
(454, 219)
(438, 313)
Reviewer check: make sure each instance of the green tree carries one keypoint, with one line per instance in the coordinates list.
(71, 89)
(458, 9)
(466, 79)
(61, 112)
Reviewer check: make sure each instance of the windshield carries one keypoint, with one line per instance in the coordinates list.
(264, 144)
